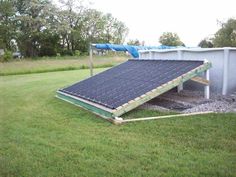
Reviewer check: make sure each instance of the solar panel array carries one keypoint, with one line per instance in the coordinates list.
(127, 81)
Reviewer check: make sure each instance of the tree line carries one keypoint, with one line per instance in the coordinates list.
(224, 37)
(41, 28)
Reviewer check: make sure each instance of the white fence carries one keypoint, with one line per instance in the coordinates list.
(222, 73)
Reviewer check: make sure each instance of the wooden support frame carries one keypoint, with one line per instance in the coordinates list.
(201, 80)
(161, 89)
(113, 114)
(207, 87)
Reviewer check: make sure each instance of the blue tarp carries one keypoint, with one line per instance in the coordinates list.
(132, 49)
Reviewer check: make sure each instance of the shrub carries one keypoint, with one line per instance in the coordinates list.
(77, 53)
(7, 55)
(84, 54)
(66, 53)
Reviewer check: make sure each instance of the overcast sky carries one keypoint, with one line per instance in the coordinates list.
(192, 20)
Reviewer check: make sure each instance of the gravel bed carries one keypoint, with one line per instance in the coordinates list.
(192, 101)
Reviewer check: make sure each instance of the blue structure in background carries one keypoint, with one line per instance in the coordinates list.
(132, 49)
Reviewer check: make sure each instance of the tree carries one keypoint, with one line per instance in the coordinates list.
(70, 18)
(7, 32)
(205, 43)
(115, 30)
(39, 28)
(134, 42)
(226, 36)
(49, 43)
(33, 17)
(170, 39)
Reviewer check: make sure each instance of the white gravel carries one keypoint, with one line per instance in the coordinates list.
(215, 106)
(217, 103)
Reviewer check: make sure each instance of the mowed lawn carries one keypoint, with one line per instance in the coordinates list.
(44, 136)
(49, 64)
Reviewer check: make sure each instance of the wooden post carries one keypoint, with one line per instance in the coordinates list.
(180, 87)
(225, 71)
(91, 59)
(207, 87)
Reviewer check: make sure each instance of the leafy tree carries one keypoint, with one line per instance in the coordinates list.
(39, 28)
(78, 26)
(205, 43)
(33, 18)
(134, 42)
(7, 32)
(170, 39)
(226, 36)
(49, 43)
(69, 21)
(115, 30)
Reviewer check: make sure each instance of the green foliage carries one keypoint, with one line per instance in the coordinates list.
(49, 44)
(7, 56)
(205, 43)
(77, 53)
(43, 136)
(39, 28)
(226, 36)
(134, 42)
(66, 52)
(170, 39)
(7, 24)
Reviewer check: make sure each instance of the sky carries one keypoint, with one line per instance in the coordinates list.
(192, 20)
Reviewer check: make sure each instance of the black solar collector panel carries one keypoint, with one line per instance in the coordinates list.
(129, 80)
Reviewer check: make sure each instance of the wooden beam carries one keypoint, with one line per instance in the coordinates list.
(160, 117)
(91, 59)
(95, 108)
(207, 87)
(180, 87)
(200, 80)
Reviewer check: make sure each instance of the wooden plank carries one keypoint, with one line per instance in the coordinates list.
(207, 87)
(162, 89)
(97, 110)
(91, 60)
(200, 80)
(167, 116)
(86, 101)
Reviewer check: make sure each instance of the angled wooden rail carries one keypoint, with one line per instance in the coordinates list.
(121, 120)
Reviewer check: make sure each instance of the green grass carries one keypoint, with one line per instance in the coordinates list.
(44, 136)
(47, 64)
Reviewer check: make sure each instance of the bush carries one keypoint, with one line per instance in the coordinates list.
(7, 55)
(66, 53)
(77, 53)
(84, 54)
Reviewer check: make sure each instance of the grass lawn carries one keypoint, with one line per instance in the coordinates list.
(44, 136)
(47, 64)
